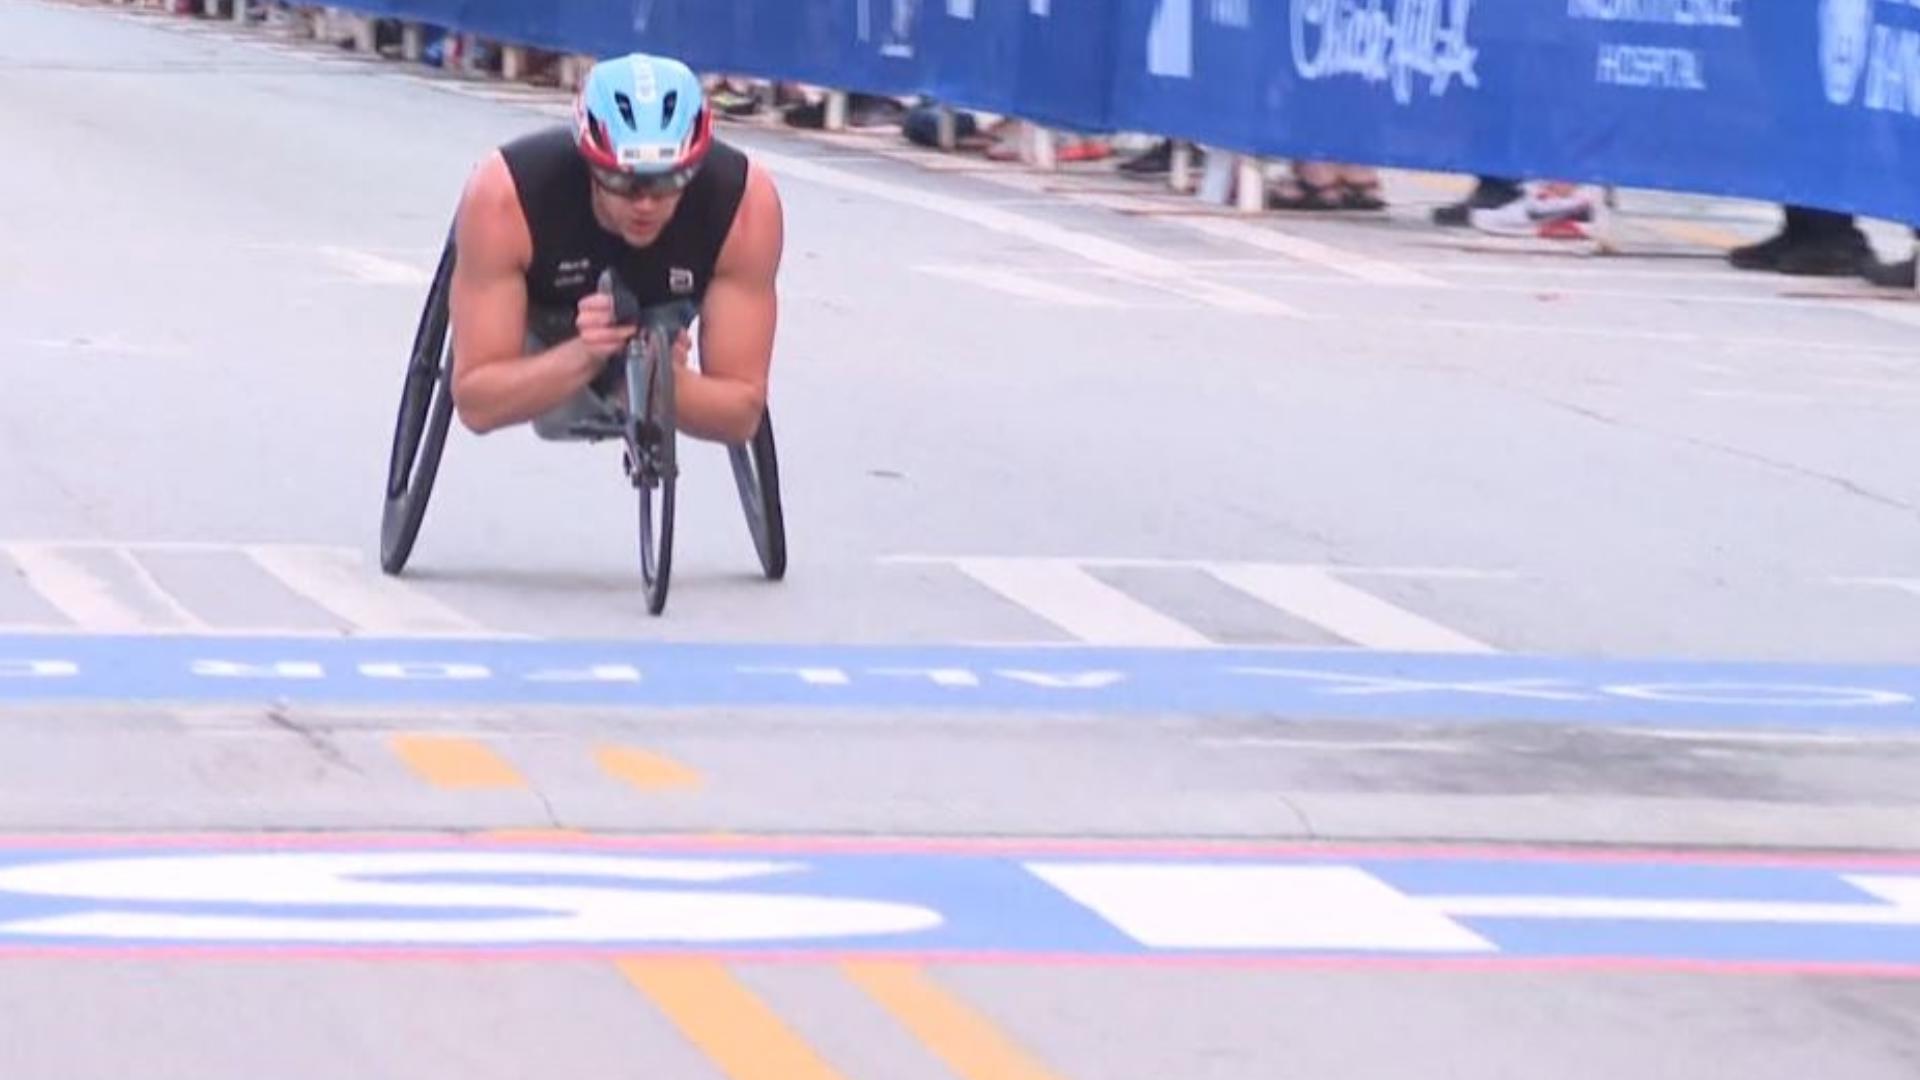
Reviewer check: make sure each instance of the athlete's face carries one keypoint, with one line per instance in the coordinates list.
(639, 217)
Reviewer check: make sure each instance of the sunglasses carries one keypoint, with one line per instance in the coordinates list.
(628, 185)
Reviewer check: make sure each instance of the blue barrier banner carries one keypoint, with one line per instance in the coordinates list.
(870, 45)
(1797, 101)
(1049, 61)
(1814, 102)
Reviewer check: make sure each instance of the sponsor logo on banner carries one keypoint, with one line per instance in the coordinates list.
(1397, 41)
(1867, 59)
(896, 37)
(1170, 40)
(1846, 30)
(897, 33)
(1170, 35)
(1677, 59)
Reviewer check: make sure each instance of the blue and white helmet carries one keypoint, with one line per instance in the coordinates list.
(643, 121)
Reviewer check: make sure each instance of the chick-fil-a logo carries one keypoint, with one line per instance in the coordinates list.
(1385, 40)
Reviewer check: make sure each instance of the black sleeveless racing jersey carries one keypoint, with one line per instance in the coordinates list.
(570, 248)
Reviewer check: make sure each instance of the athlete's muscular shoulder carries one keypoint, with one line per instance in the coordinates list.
(739, 320)
(489, 293)
(757, 238)
(492, 232)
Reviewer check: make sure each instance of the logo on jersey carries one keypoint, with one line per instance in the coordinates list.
(1846, 28)
(680, 281)
(571, 272)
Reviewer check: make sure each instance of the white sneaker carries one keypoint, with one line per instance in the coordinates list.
(1547, 210)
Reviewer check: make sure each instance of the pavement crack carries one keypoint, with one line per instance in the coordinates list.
(1307, 831)
(316, 740)
(1749, 456)
(21, 452)
(546, 807)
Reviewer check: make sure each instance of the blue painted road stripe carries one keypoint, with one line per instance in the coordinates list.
(1293, 683)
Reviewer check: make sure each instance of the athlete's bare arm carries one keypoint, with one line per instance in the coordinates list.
(723, 401)
(495, 384)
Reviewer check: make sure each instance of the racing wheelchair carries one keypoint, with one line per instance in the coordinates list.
(644, 423)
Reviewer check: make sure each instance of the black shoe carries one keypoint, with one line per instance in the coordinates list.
(1764, 255)
(870, 111)
(1845, 255)
(863, 111)
(812, 116)
(1158, 161)
(1486, 196)
(1155, 162)
(1895, 275)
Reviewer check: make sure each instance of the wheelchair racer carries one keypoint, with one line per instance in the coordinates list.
(637, 183)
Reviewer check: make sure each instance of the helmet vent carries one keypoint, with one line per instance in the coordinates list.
(668, 107)
(626, 108)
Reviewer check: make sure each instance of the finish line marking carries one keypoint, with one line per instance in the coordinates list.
(799, 901)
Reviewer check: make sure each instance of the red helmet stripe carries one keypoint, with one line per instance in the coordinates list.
(592, 145)
(701, 138)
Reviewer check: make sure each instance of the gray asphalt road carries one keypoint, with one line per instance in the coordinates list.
(1649, 458)
(1012, 408)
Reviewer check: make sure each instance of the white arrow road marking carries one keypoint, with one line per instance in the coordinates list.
(89, 600)
(1315, 595)
(1095, 249)
(1061, 591)
(335, 579)
(1024, 286)
(448, 912)
(1079, 603)
(1901, 893)
(1211, 906)
(1349, 263)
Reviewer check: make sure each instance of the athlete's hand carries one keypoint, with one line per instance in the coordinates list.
(682, 349)
(594, 320)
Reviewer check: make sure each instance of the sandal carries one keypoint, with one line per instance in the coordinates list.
(1298, 194)
(1362, 196)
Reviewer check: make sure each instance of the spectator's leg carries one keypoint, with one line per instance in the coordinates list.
(1313, 185)
(1894, 275)
(1360, 188)
(1182, 160)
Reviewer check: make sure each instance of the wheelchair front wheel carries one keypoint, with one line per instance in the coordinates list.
(756, 472)
(420, 429)
(652, 463)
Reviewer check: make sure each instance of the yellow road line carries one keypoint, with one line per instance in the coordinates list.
(446, 761)
(1693, 232)
(645, 770)
(726, 1021)
(1437, 183)
(968, 1042)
